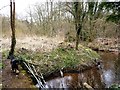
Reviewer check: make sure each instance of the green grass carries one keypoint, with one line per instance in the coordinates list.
(61, 57)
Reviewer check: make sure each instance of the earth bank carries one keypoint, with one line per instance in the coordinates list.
(64, 57)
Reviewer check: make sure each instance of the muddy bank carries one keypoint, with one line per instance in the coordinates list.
(76, 80)
(78, 69)
(10, 80)
(62, 58)
(106, 77)
(54, 58)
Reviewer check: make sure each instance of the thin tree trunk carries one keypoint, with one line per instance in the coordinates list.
(13, 40)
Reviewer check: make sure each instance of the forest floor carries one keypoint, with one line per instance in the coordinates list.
(11, 80)
(43, 44)
(105, 44)
(61, 57)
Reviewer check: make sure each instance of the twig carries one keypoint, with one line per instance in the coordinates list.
(4, 7)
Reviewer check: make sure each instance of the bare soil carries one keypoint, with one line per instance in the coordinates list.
(11, 80)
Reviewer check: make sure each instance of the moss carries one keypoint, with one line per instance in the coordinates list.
(23, 71)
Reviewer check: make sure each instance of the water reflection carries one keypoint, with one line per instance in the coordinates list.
(60, 82)
(111, 70)
(117, 70)
(108, 75)
(76, 80)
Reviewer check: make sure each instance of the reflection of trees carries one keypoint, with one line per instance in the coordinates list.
(117, 68)
(93, 78)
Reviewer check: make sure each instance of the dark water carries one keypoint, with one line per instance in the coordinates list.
(111, 68)
(97, 78)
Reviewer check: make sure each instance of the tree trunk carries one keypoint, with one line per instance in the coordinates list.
(12, 17)
(77, 35)
(78, 22)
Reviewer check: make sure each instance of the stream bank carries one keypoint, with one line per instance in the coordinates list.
(100, 79)
(63, 58)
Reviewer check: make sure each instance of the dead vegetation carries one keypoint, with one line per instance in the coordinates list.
(105, 44)
(41, 44)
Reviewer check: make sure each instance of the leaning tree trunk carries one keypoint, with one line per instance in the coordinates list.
(12, 17)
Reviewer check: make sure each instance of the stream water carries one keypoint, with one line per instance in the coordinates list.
(111, 68)
(97, 78)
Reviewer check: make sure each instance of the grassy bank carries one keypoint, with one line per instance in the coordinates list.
(62, 57)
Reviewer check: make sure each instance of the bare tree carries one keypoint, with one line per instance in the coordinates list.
(12, 18)
(78, 10)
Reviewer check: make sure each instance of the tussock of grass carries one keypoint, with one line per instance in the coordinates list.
(61, 57)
